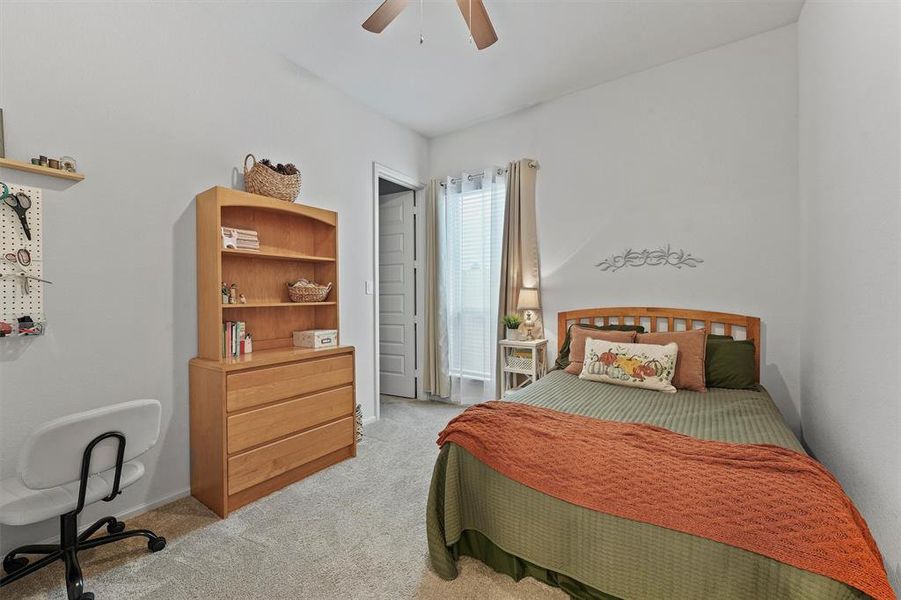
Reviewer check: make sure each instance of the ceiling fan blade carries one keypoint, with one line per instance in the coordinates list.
(384, 14)
(483, 33)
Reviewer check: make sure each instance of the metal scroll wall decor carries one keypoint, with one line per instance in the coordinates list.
(665, 256)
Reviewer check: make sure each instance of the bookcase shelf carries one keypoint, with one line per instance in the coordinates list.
(264, 358)
(277, 254)
(276, 304)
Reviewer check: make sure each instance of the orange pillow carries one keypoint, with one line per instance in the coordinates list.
(579, 335)
(690, 360)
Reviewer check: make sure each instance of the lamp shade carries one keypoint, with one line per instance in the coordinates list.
(528, 299)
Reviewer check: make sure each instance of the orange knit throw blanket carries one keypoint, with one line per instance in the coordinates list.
(766, 499)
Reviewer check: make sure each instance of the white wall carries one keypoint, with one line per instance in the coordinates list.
(850, 181)
(700, 153)
(158, 103)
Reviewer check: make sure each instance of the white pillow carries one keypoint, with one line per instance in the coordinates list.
(647, 366)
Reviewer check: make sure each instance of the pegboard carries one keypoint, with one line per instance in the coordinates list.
(14, 303)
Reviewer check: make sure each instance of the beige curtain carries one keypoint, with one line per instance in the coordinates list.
(435, 371)
(520, 266)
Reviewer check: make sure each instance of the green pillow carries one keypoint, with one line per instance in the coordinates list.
(563, 356)
(730, 364)
(712, 337)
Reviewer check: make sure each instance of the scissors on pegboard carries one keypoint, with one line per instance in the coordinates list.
(20, 203)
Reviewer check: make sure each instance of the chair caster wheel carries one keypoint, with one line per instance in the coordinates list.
(157, 544)
(11, 565)
(117, 527)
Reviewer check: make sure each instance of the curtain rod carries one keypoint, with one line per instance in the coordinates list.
(455, 180)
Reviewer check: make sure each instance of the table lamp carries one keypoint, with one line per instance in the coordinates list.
(528, 301)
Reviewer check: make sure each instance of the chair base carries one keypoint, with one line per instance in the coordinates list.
(71, 543)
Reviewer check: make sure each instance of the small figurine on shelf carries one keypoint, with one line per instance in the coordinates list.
(248, 344)
(224, 293)
(242, 299)
(229, 238)
(233, 294)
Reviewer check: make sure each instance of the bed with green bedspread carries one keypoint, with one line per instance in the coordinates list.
(475, 511)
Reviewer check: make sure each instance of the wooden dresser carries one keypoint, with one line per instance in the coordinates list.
(267, 419)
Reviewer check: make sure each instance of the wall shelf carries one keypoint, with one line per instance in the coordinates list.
(17, 165)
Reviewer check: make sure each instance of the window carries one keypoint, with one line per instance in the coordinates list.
(472, 254)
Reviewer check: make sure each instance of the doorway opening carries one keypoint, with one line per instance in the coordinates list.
(397, 289)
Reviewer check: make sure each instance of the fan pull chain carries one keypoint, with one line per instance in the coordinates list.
(470, 23)
(421, 38)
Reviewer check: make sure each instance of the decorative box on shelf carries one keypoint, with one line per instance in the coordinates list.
(316, 338)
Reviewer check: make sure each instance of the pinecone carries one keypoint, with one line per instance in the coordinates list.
(288, 169)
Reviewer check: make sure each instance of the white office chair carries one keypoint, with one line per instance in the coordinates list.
(68, 463)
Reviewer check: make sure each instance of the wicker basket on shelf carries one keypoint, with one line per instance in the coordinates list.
(518, 362)
(308, 293)
(260, 179)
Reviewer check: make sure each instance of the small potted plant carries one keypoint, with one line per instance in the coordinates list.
(512, 323)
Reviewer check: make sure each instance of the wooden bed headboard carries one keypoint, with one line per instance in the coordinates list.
(653, 319)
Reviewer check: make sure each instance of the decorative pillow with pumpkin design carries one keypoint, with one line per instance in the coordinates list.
(580, 335)
(646, 366)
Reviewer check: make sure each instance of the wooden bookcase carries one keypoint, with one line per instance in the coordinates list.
(295, 241)
(266, 419)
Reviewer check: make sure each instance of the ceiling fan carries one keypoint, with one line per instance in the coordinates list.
(474, 13)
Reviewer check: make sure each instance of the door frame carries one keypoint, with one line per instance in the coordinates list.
(380, 171)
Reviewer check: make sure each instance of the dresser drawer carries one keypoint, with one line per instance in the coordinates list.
(244, 390)
(268, 423)
(256, 466)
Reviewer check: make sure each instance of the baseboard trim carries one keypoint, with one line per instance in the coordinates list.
(132, 512)
(148, 506)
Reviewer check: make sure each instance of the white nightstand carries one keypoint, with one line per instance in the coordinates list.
(523, 357)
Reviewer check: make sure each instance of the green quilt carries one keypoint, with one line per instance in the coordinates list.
(476, 511)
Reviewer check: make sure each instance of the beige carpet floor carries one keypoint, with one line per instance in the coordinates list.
(353, 531)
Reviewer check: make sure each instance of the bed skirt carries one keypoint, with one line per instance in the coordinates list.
(478, 546)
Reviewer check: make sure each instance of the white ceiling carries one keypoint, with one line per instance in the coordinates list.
(546, 48)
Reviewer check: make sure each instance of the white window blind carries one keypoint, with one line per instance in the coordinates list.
(474, 227)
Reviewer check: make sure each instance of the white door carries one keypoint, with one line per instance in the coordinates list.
(397, 299)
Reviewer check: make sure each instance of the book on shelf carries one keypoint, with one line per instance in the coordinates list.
(245, 232)
(234, 335)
